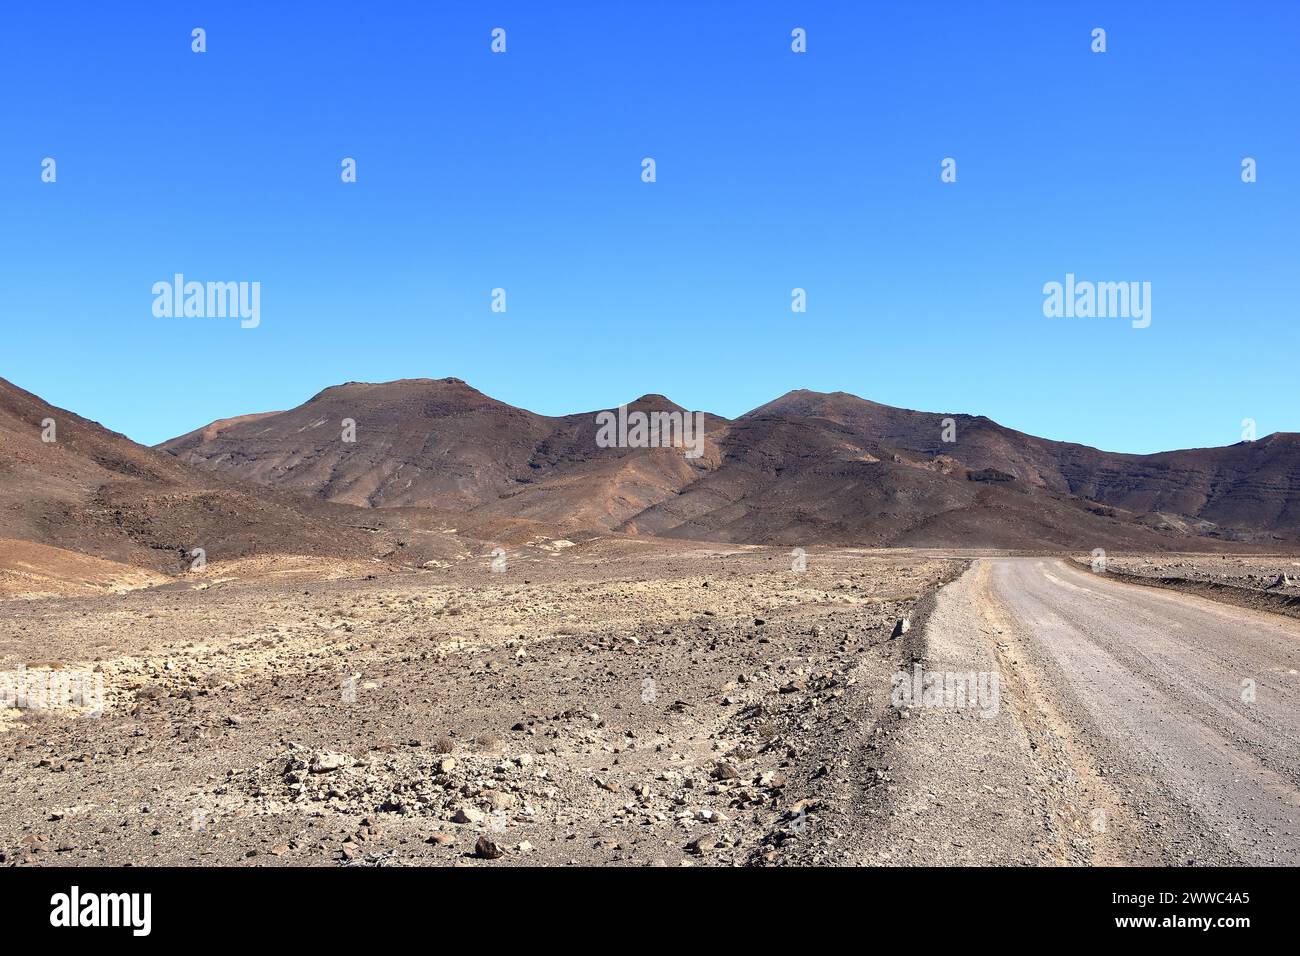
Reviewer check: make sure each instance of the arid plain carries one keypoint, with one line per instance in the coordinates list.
(485, 639)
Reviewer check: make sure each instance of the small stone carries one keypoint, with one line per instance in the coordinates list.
(488, 849)
(701, 846)
(328, 762)
(468, 815)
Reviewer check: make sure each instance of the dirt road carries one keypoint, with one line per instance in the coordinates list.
(1133, 725)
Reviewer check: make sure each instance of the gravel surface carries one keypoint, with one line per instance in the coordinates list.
(614, 702)
(1136, 725)
(624, 702)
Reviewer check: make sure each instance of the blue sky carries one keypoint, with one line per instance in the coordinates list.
(775, 170)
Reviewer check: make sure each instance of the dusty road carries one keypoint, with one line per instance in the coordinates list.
(1133, 725)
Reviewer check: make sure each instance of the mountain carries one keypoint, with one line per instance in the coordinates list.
(480, 445)
(441, 443)
(807, 468)
(1250, 487)
(94, 492)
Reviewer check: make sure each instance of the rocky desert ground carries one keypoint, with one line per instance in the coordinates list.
(1268, 582)
(1279, 573)
(477, 636)
(610, 702)
(623, 701)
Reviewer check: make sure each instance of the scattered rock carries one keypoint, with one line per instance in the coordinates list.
(327, 762)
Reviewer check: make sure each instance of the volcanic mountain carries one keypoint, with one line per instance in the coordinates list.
(69, 487)
(807, 468)
(1249, 487)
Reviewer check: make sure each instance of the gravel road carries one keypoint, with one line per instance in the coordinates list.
(1133, 726)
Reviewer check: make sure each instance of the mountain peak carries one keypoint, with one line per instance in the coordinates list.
(403, 389)
(655, 402)
(808, 403)
(400, 383)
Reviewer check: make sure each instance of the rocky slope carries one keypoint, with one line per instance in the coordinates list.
(91, 491)
(1250, 486)
(807, 467)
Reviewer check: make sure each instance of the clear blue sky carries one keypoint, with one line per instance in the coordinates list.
(775, 170)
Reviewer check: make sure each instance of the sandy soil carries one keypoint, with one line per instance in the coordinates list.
(29, 570)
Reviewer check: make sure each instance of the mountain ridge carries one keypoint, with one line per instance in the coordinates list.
(805, 468)
(91, 491)
(442, 443)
